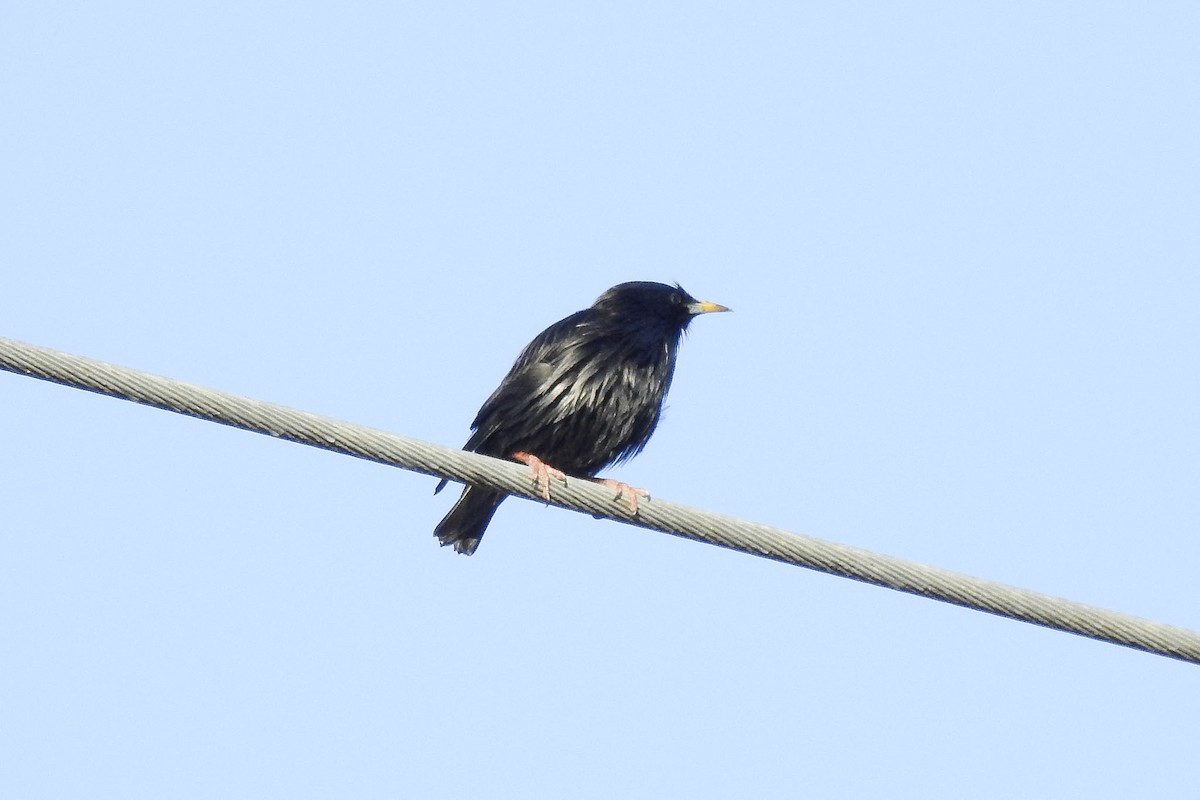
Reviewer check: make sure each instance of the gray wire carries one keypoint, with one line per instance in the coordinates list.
(579, 495)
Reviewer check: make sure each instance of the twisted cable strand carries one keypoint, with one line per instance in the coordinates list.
(579, 495)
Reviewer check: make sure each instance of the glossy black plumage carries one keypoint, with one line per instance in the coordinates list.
(586, 393)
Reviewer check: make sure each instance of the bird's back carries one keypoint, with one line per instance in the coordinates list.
(584, 394)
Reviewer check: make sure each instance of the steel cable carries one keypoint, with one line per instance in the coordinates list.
(580, 495)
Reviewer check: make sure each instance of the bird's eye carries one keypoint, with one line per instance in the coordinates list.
(676, 298)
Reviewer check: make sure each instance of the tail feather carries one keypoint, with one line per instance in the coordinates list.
(463, 527)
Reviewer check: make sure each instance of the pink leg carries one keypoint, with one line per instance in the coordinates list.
(542, 472)
(632, 492)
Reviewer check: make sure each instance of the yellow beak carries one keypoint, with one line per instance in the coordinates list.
(705, 307)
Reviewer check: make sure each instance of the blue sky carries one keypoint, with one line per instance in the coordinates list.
(961, 244)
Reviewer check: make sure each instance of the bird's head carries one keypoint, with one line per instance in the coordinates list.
(648, 301)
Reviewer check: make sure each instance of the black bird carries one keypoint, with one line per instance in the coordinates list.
(586, 393)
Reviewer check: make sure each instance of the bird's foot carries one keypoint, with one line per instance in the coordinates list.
(542, 472)
(624, 489)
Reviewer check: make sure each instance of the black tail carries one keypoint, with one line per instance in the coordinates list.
(463, 527)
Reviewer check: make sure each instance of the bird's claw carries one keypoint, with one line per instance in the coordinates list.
(632, 492)
(542, 473)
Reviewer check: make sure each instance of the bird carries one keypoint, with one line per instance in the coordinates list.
(585, 394)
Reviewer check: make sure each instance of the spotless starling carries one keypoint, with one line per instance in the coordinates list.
(586, 393)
